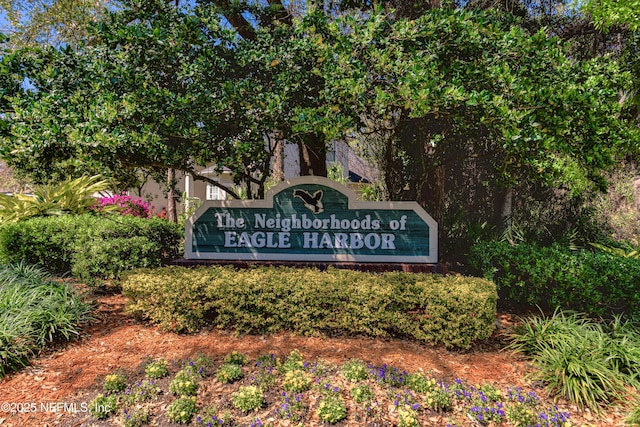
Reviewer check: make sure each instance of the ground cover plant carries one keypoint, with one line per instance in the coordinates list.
(590, 363)
(384, 396)
(453, 311)
(35, 311)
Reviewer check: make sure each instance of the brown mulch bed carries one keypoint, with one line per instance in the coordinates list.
(68, 374)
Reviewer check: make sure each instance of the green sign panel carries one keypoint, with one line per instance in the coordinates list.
(312, 219)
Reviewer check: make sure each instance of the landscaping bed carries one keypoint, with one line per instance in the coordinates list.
(118, 343)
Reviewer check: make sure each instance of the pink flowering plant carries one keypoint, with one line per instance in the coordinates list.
(125, 204)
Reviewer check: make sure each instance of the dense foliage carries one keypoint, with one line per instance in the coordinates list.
(599, 284)
(91, 247)
(462, 110)
(453, 311)
(589, 363)
(70, 197)
(35, 311)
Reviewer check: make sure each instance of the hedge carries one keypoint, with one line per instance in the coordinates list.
(450, 310)
(90, 246)
(597, 284)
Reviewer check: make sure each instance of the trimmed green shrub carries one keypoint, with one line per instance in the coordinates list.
(593, 283)
(90, 246)
(449, 310)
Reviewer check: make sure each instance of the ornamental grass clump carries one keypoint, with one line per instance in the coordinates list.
(35, 311)
(633, 418)
(579, 359)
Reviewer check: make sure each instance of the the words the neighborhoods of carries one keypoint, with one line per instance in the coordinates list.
(280, 237)
(29, 407)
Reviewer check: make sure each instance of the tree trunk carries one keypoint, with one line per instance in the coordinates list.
(503, 208)
(432, 193)
(278, 160)
(172, 214)
(313, 155)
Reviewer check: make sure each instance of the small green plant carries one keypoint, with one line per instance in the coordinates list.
(114, 383)
(407, 416)
(142, 391)
(198, 366)
(134, 417)
(235, 358)
(520, 414)
(265, 378)
(489, 393)
(156, 369)
(354, 370)
(248, 398)
(229, 373)
(185, 383)
(362, 393)
(437, 399)
(292, 406)
(332, 409)
(182, 409)
(420, 383)
(296, 380)
(293, 362)
(102, 407)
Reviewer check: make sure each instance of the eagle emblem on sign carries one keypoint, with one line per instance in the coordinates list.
(311, 202)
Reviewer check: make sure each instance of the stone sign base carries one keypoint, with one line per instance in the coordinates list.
(357, 266)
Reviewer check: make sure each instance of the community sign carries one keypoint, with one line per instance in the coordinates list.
(312, 219)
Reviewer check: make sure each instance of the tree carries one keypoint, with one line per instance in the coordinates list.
(160, 88)
(457, 99)
(54, 22)
(608, 13)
